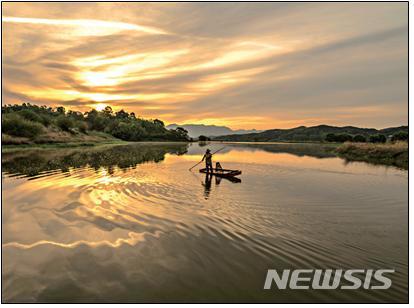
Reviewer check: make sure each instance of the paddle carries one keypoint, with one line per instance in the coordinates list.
(202, 160)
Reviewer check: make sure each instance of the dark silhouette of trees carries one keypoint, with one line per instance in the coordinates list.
(15, 125)
(338, 137)
(28, 120)
(60, 110)
(159, 122)
(122, 114)
(379, 138)
(400, 136)
(203, 138)
(65, 123)
(359, 138)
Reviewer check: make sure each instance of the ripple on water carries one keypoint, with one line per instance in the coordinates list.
(159, 220)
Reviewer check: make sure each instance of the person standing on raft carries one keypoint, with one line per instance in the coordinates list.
(208, 158)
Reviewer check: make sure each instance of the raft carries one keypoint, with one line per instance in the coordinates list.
(224, 173)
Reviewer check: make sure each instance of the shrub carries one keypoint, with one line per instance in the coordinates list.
(159, 122)
(330, 137)
(132, 128)
(15, 125)
(82, 126)
(64, 123)
(96, 120)
(123, 131)
(60, 110)
(377, 139)
(29, 115)
(75, 115)
(400, 136)
(203, 138)
(46, 121)
(338, 137)
(128, 131)
(359, 138)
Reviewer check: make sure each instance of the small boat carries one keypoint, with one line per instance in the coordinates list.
(225, 173)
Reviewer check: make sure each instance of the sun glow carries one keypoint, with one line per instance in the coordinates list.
(99, 106)
(112, 71)
(87, 26)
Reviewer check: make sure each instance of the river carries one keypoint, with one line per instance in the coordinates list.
(131, 223)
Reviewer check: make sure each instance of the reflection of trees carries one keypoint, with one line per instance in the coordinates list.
(33, 162)
(203, 143)
(298, 149)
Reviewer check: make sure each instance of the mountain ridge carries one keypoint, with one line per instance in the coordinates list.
(195, 130)
(312, 133)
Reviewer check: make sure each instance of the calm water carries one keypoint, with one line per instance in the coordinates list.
(131, 223)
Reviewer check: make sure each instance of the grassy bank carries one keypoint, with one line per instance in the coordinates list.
(393, 154)
(13, 148)
(57, 140)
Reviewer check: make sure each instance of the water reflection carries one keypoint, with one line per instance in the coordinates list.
(209, 178)
(35, 162)
(207, 185)
(132, 224)
(297, 149)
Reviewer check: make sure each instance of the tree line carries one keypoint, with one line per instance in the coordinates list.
(28, 120)
(377, 138)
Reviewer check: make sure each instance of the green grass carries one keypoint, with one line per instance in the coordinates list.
(57, 138)
(393, 154)
(14, 147)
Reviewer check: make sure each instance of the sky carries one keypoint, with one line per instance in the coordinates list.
(243, 65)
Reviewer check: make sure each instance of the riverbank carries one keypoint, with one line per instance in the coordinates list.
(69, 145)
(393, 154)
(55, 137)
(86, 145)
(57, 140)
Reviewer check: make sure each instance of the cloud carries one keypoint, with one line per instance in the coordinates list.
(262, 65)
(86, 26)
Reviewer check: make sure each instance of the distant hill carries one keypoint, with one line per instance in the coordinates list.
(195, 130)
(303, 133)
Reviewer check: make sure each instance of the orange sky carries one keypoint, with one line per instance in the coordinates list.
(244, 65)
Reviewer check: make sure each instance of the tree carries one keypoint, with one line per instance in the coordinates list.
(65, 123)
(28, 120)
(107, 111)
(179, 134)
(96, 120)
(400, 136)
(181, 131)
(338, 137)
(359, 138)
(122, 114)
(29, 115)
(13, 124)
(60, 110)
(378, 138)
(128, 131)
(76, 115)
(203, 138)
(159, 122)
(330, 137)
